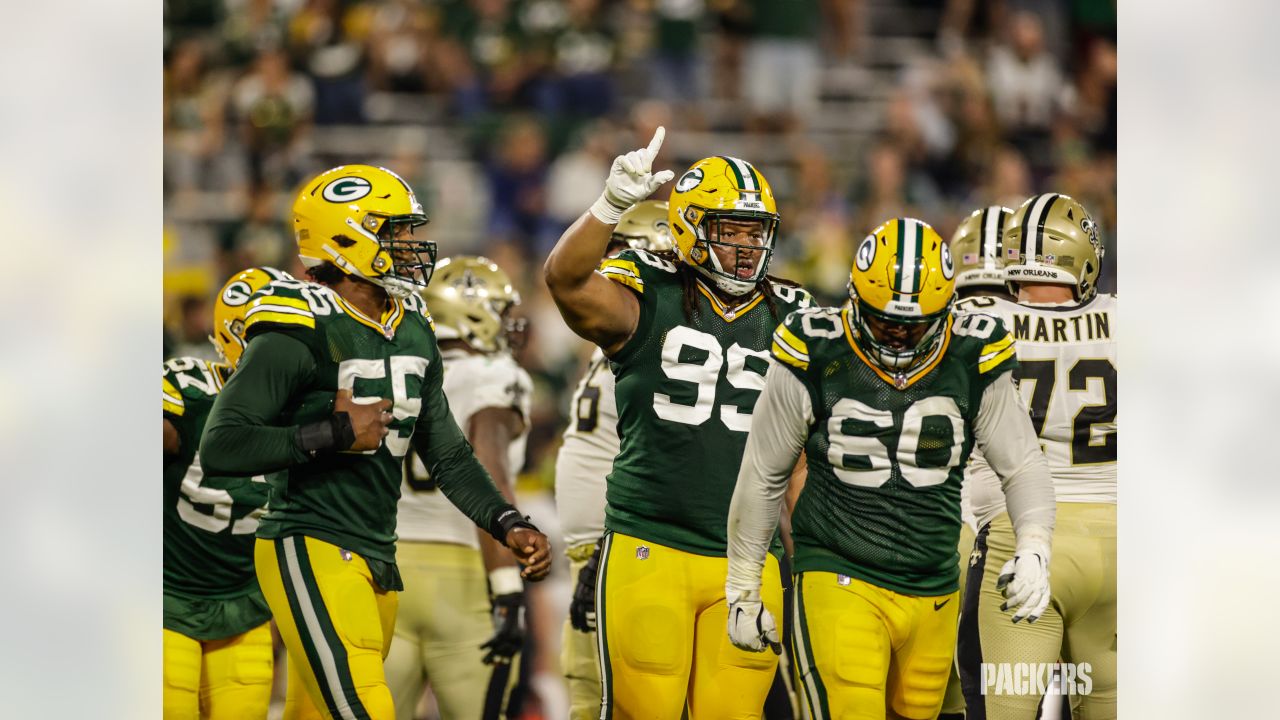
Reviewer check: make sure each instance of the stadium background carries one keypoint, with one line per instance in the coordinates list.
(505, 114)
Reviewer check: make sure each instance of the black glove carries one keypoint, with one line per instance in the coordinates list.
(508, 629)
(582, 611)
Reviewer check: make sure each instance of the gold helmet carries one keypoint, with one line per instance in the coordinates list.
(715, 191)
(469, 301)
(361, 219)
(231, 305)
(1052, 239)
(902, 286)
(978, 244)
(644, 226)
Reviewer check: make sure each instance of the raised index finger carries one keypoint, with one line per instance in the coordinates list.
(656, 143)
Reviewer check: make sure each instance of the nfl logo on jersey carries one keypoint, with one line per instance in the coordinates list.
(642, 553)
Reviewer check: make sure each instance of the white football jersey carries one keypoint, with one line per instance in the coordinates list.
(471, 383)
(586, 457)
(1067, 374)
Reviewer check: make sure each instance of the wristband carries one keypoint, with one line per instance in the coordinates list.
(606, 210)
(505, 581)
(332, 433)
(508, 519)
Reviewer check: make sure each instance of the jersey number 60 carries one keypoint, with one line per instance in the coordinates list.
(862, 456)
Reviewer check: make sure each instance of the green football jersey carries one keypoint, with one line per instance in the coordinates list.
(348, 499)
(887, 453)
(685, 390)
(209, 521)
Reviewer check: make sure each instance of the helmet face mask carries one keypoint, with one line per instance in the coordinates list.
(724, 221)
(409, 267)
(738, 247)
(896, 343)
(901, 288)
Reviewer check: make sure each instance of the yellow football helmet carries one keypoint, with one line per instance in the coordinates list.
(470, 301)
(715, 191)
(361, 219)
(1052, 239)
(644, 226)
(231, 305)
(902, 286)
(978, 244)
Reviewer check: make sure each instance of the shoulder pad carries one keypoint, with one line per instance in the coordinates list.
(634, 267)
(190, 379)
(791, 295)
(978, 304)
(287, 305)
(992, 342)
(799, 329)
(416, 305)
(173, 402)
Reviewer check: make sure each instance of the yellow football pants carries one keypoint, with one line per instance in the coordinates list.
(443, 620)
(1079, 626)
(862, 650)
(579, 656)
(336, 624)
(662, 626)
(953, 702)
(227, 679)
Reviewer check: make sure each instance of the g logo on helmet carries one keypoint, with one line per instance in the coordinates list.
(948, 265)
(866, 253)
(237, 293)
(347, 189)
(689, 180)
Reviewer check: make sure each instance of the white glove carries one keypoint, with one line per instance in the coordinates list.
(1024, 581)
(631, 179)
(751, 625)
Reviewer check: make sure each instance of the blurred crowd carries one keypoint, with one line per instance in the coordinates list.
(504, 116)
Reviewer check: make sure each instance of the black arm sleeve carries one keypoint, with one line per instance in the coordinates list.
(453, 464)
(239, 438)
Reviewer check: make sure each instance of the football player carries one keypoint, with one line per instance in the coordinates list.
(337, 381)
(585, 458)
(444, 618)
(886, 399)
(1067, 369)
(977, 248)
(217, 642)
(687, 336)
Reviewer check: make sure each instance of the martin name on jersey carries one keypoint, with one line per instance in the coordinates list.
(471, 383)
(1067, 371)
